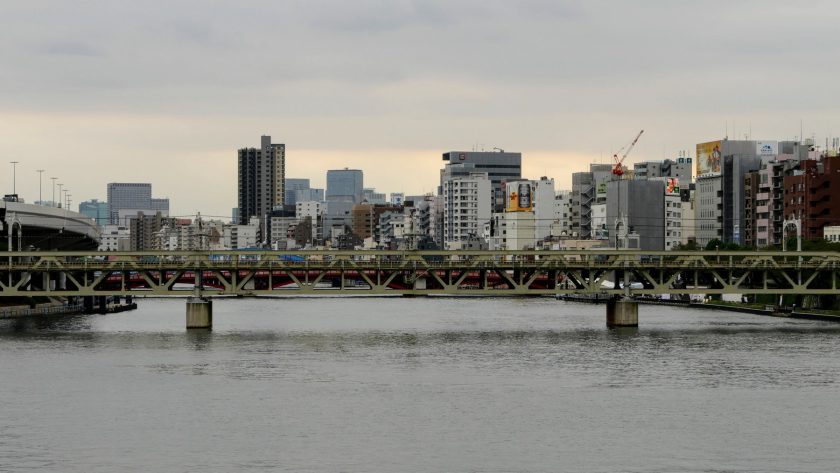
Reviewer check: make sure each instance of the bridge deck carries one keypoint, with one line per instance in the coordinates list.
(418, 272)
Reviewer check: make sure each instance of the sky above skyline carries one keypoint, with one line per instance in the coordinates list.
(166, 92)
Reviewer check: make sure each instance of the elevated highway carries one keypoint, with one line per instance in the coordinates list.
(45, 228)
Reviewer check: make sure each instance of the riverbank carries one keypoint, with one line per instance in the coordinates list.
(60, 307)
(771, 311)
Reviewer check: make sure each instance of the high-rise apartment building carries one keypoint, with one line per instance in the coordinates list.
(466, 207)
(128, 198)
(261, 184)
(499, 166)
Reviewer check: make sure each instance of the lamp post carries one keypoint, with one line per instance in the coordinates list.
(14, 172)
(53, 197)
(60, 185)
(40, 186)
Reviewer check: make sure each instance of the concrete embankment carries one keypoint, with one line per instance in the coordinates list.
(58, 307)
(768, 311)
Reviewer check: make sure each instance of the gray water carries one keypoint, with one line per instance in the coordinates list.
(411, 385)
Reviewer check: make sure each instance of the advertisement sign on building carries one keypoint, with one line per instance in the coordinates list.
(708, 158)
(767, 148)
(520, 196)
(672, 186)
(601, 189)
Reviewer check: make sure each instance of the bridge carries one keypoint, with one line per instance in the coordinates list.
(619, 273)
(45, 228)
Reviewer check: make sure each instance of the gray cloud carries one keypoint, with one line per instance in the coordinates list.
(581, 76)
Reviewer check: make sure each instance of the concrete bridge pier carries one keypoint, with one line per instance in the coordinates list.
(622, 312)
(199, 313)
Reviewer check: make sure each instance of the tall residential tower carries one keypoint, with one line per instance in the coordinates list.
(262, 173)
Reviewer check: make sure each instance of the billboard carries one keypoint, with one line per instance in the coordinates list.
(520, 196)
(767, 148)
(672, 186)
(708, 158)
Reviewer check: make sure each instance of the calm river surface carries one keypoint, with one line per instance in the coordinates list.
(411, 385)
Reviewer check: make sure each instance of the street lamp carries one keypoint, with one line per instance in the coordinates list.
(53, 197)
(40, 186)
(14, 169)
(60, 185)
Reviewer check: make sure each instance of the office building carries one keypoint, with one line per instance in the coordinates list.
(721, 167)
(115, 238)
(636, 207)
(308, 195)
(238, 237)
(345, 185)
(499, 166)
(96, 210)
(588, 189)
(562, 212)
(126, 199)
(291, 189)
(370, 196)
(680, 168)
(261, 179)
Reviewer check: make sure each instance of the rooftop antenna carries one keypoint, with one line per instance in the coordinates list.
(726, 133)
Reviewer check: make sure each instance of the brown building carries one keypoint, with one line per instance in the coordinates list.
(365, 223)
(144, 228)
(813, 195)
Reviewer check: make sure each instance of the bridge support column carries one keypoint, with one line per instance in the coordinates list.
(622, 312)
(87, 304)
(199, 313)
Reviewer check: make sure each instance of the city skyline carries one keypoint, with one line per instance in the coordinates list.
(388, 87)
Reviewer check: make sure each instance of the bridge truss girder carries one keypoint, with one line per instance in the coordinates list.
(483, 273)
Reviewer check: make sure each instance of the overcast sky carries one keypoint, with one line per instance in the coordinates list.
(167, 91)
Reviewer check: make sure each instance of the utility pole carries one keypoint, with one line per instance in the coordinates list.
(40, 186)
(14, 172)
(53, 197)
(60, 185)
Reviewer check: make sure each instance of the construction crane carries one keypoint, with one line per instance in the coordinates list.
(618, 170)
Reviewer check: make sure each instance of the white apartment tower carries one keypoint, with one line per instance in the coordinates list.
(467, 206)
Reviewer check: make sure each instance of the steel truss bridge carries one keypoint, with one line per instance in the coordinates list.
(480, 273)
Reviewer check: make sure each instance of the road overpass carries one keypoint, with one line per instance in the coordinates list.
(418, 273)
(45, 228)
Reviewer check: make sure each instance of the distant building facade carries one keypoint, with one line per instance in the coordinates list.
(133, 196)
(96, 210)
(499, 166)
(345, 185)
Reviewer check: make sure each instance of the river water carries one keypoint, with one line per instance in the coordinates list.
(416, 385)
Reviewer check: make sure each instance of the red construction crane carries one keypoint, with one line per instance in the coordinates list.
(617, 169)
